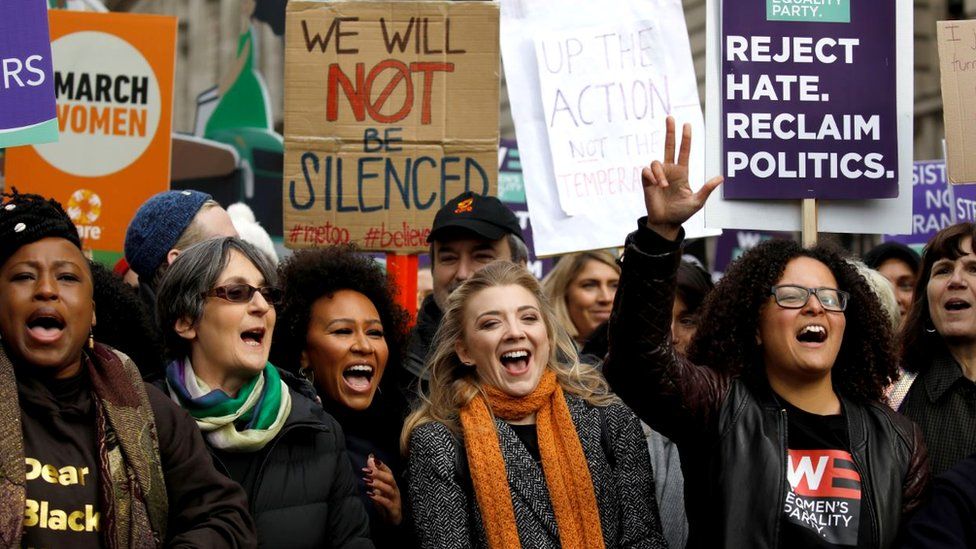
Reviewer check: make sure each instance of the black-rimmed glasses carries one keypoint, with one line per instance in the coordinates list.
(789, 296)
(242, 293)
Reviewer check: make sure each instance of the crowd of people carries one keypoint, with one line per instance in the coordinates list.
(217, 398)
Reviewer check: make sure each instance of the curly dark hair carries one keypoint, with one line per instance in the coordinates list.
(726, 339)
(919, 345)
(309, 275)
(124, 322)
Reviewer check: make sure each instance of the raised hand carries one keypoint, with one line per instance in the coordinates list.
(667, 194)
(383, 490)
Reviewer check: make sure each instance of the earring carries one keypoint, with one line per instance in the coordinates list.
(308, 374)
(91, 339)
(928, 326)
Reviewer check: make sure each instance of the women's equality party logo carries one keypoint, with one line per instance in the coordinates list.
(108, 105)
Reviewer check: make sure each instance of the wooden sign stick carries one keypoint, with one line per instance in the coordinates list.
(809, 215)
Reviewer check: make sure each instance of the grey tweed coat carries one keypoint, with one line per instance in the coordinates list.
(446, 514)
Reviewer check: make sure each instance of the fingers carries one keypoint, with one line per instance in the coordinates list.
(658, 171)
(647, 177)
(702, 195)
(390, 510)
(669, 141)
(685, 152)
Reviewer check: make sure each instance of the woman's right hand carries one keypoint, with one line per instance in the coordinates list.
(667, 194)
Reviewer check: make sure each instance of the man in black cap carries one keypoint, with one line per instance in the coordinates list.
(469, 232)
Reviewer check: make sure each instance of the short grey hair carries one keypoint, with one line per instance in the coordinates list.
(193, 273)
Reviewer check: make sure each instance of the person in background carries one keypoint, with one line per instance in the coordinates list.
(581, 288)
(340, 328)
(693, 286)
(899, 264)
(517, 443)
(885, 293)
(165, 225)
(785, 374)
(124, 323)
(468, 232)
(250, 230)
(946, 521)
(217, 301)
(425, 286)
(939, 344)
(91, 455)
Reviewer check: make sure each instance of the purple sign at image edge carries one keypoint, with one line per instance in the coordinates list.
(27, 86)
(932, 203)
(766, 154)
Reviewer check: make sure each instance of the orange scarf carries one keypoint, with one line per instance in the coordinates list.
(566, 470)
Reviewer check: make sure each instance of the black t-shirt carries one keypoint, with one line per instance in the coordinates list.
(58, 418)
(823, 490)
(530, 438)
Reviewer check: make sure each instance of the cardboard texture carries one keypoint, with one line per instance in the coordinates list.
(957, 60)
(114, 86)
(391, 109)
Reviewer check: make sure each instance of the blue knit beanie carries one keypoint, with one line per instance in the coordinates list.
(156, 228)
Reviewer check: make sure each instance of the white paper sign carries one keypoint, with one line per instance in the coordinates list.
(591, 84)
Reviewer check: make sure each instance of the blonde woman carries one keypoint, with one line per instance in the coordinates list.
(511, 447)
(581, 289)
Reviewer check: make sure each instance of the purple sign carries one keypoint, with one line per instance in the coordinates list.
(931, 204)
(27, 105)
(732, 243)
(964, 200)
(808, 100)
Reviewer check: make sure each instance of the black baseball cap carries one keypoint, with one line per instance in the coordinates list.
(892, 250)
(485, 216)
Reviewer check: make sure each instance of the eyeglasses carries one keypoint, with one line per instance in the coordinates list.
(789, 296)
(242, 293)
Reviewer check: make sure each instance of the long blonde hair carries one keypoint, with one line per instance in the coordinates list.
(557, 282)
(453, 385)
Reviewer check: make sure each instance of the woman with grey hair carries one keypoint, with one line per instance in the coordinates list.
(216, 303)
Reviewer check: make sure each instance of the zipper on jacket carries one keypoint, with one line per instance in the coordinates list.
(781, 510)
(866, 498)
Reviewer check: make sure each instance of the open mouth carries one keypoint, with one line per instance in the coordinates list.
(957, 305)
(253, 338)
(814, 333)
(359, 377)
(516, 362)
(45, 325)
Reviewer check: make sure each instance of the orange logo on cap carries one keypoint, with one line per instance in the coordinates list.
(465, 205)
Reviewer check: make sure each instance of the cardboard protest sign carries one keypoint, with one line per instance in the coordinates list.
(590, 85)
(957, 60)
(933, 205)
(511, 191)
(27, 111)
(794, 125)
(391, 110)
(113, 77)
(858, 215)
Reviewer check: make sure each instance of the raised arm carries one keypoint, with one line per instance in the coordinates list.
(675, 397)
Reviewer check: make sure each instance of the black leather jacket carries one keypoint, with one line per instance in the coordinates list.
(731, 433)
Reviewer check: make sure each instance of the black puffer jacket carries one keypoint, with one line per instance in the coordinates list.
(731, 433)
(300, 486)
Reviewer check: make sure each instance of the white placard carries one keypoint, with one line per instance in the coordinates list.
(577, 74)
(891, 216)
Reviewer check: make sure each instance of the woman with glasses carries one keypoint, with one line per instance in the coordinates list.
(217, 303)
(777, 408)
